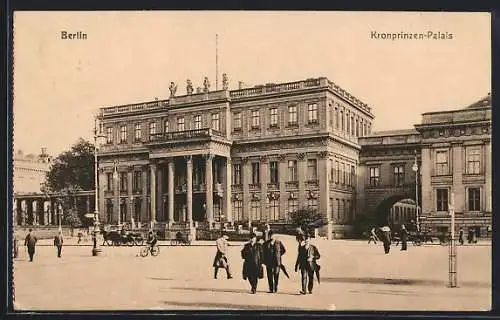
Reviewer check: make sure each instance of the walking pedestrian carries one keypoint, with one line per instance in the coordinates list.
(473, 235)
(373, 236)
(386, 238)
(220, 259)
(469, 236)
(404, 238)
(306, 262)
(58, 242)
(461, 236)
(252, 266)
(273, 250)
(30, 242)
(266, 235)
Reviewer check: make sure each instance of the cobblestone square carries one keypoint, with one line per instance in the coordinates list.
(354, 276)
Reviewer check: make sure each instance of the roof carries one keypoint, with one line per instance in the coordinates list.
(481, 103)
(393, 133)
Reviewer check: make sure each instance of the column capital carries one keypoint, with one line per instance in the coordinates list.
(188, 158)
(301, 156)
(208, 156)
(282, 157)
(263, 159)
(323, 154)
(244, 160)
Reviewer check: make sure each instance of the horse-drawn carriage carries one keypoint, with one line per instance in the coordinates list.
(118, 238)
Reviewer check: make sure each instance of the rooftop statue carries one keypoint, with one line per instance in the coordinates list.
(173, 89)
(225, 82)
(189, 87)
(206, 85)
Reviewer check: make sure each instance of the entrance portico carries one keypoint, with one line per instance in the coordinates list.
(190, 178)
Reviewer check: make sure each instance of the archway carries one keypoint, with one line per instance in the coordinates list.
(397, 203)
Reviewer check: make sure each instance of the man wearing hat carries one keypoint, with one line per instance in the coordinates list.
(30, 242)
(273, 250)
(252, 266)
(306, 262)
(220, 259)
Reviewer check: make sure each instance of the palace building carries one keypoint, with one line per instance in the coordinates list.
(242, 156)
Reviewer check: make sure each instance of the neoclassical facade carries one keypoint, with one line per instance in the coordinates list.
(240, 156)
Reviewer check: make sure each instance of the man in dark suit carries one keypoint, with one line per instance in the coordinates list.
(252, 266)
(273, 250)
(30, 242)
(386, 238)
(404, 238)
(306, 262)
(58, 242)
(266, 232)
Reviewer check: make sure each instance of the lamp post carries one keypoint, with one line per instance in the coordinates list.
(95, 249)
(415, 169)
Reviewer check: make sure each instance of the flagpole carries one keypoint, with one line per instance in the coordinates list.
(216, 62)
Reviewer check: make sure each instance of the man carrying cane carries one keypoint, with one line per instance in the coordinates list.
(220, 259)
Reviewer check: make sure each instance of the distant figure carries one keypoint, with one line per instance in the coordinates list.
(373, 236)
(404, 238)
(80, 235)
(220, 259)
(273, 250)
(252, 266)
(151, 239)
(58, 242)
(30, 242)
(16, 247)
(469, 236)
(473, 235)
(306, 262)
(386, 238)
(461, 236)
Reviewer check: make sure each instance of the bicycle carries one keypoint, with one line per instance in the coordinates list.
(145, 250)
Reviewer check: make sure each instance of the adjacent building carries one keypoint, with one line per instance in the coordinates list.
(29, 171)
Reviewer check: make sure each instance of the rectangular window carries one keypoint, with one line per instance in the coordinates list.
(197, 122)
(292, 170)
(274, 210)
(353, 128)
(342, 123)
(255, 173)
(398, 175)
(215, 122)
(337, 217)
(312, 169)
(236, 173)
(357, 128)
(148, 181)
(337, 172)
(312, 113)
(441, 163)
(353, 176)
(123, 134)
(137, 181)
(344, 180)
(273, 172)
(255, 119)
(109, 135)
(255, 210)
(238, 210)
(337, 118)
(348, 123)
(123, 181)
(180, 124)
(273, 121)
(474, 199)
(292, 206)
(473, 161)
(441, 199)
(332, 171)
(342, 212)
(312, 203)
(237, 121)
(292, 115)
(165, 125)
(109, 179)
(374, 176)
(152, 129)
(137, 132)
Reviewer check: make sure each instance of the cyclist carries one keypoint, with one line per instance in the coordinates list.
(151, 240)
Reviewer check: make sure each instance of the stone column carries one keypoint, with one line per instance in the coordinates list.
(159, 192)
(144, 202)
(171, 191)
(153, 192)
(130, 199)
(246, 179)
(425, 168)
(116, 204)
(209, 185)
(456, 160)
(264, 178)
(189, 195)
(283, 176)
(324, 189)
(302, 176)
(487, 176)
(228, 192)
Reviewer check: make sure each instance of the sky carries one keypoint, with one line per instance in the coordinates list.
(131, 57)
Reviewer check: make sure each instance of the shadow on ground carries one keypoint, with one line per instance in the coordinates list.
(229, 290)
(205, 304)
(403, 282)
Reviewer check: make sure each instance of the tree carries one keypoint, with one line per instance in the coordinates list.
(73, 170)
(308, 219)
(72, 219)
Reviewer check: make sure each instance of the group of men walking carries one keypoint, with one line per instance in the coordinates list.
(257, 254)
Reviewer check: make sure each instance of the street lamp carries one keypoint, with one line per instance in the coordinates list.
(95, 249)
(415, 169)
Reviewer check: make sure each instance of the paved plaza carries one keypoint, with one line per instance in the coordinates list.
(354, 276)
